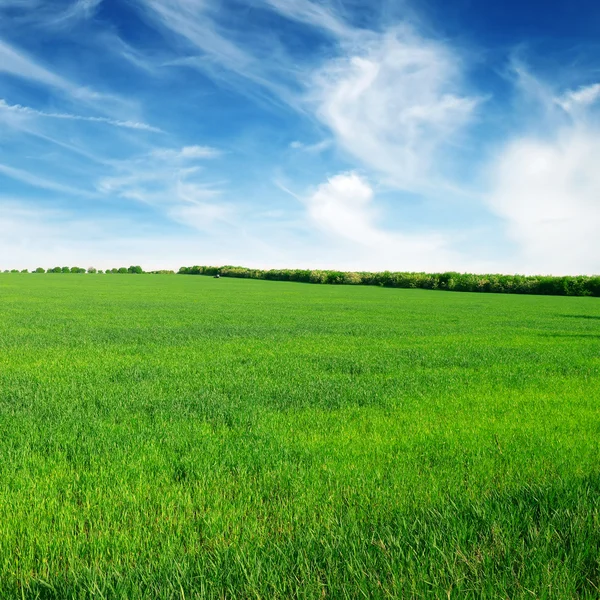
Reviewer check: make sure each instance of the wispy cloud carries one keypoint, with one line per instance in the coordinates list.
(320, 16)
(171, 180)
(579, 99)
(37, 181)
(26, 110)
(315, 148)
(81, 9)
(393, 103)
(230, 56)
(391, 100)
(18, 64)
(187, 153)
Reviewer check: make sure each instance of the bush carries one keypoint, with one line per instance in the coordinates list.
(452, 281)
(40, 270)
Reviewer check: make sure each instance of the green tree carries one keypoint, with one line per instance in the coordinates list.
(40, 270)
(91, 270)
(135, 269)
(65, 270)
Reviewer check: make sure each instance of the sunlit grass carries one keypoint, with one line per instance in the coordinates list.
(185, 437)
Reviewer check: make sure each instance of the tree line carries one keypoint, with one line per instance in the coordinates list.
(134, 269)
(580, 285)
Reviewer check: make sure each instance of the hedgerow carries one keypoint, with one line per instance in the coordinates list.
(580, 285)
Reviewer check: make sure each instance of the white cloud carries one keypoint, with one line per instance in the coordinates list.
(18, 64)
(42, 182)
(162, 177)
(392, 103)
(31, 112)
(81, 9)
(187, 153)
(343, 207)
(320, 15)
(581, 98)
(548, 191)
(315, 148)
(254, 65)
(167, 179)
(546, 186)
(202, 215)
(31, 236)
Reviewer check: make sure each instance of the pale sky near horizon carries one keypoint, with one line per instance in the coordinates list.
(350, 134)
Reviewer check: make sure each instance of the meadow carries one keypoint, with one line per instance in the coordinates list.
(187, 437)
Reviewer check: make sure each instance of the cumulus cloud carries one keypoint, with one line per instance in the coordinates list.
(344, 207)
(547, 188)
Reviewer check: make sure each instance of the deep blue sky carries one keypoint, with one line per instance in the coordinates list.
(397, 135)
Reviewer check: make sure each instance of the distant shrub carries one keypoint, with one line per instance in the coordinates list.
(92, 270)
(352, 279)
(317, 277)
(40, 270)
(450, 281)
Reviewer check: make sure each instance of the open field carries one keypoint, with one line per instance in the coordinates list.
(185, 437)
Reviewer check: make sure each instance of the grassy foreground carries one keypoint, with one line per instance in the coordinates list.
(185, 437)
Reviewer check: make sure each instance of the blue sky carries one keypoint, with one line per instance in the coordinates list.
(397, 135)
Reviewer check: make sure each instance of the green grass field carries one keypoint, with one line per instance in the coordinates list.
(185, 437)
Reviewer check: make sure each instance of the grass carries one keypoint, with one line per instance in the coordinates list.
(185, 437)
